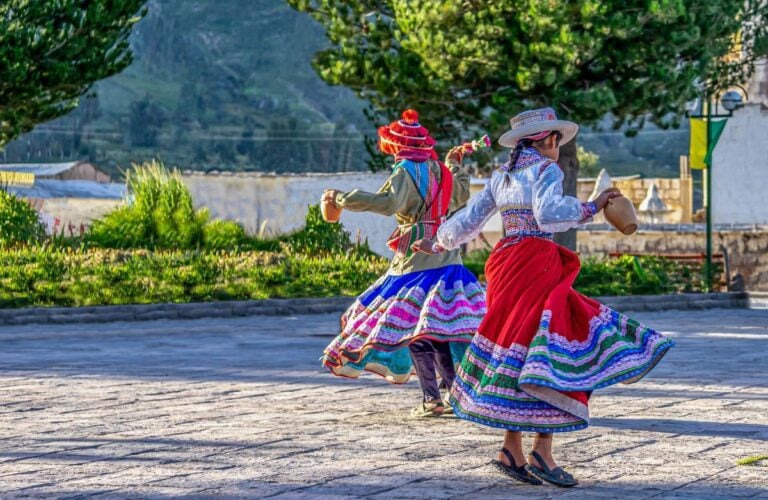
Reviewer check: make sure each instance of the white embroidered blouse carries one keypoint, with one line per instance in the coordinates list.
(530, 199)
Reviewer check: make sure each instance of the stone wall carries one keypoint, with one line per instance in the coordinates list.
(676, 193)
(747, 249)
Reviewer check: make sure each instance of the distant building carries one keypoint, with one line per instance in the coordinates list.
(67, 195)
(73, 170)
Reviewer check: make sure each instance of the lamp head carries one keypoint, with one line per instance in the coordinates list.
(732, 100)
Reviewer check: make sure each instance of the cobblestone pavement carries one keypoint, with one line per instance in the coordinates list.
(239, 407)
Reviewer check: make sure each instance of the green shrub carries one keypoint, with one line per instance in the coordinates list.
(629, 275)
(475, 261)
(318, 236)
(19, 223)
(224, 235)
(121, 228)
(160, 214)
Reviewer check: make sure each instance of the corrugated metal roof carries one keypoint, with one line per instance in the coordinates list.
(52, 188)
(39, 169)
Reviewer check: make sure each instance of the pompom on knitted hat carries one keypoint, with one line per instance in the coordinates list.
(407, 138)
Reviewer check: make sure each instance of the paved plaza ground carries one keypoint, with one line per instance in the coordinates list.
(240, 408)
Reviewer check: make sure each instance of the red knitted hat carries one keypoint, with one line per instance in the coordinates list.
(407, 136)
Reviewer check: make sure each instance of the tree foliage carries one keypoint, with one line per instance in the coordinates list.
(51, 52)
(475, 63)
(19, 223)
(145, 123)
(588, 162)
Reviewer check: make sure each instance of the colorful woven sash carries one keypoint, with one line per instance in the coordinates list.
(437, 200)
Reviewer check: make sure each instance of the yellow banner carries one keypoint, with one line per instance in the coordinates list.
(17, 178)
(700, 154)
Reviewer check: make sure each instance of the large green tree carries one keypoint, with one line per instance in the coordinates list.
(52, 51)
(469, 65)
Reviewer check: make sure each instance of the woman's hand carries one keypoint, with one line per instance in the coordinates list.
(424, 246)
(609, 194)
(459, 152)
(329, 197)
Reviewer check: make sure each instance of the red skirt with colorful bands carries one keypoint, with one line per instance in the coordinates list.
(543, 347)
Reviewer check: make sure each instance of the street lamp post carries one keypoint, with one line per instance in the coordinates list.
(708, 162)
(730, 101)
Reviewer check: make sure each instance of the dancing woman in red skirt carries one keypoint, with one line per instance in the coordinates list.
(542, 348)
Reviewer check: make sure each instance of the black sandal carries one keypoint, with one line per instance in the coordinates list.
(515, 472)
(557, 476)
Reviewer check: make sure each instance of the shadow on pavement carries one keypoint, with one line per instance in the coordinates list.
(686, 427)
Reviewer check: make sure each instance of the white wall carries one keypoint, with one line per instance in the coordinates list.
(281, 201)
(740, 169)
(75, 211)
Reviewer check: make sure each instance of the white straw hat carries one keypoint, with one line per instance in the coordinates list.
(531, 123)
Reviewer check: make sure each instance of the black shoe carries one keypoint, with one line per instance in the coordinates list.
(557, 476)
(519, 473)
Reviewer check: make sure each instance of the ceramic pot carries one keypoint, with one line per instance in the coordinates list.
(331, 213)
(620, 213)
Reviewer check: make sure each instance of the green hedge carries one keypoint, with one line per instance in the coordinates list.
(625, 275)
(45, 276)
(630, 275)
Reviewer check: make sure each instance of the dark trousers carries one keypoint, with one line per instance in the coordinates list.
(428, 356)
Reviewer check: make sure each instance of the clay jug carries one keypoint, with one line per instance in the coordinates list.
(620, 213)
(330, 212)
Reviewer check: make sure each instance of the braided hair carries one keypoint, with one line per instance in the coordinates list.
(514, 155)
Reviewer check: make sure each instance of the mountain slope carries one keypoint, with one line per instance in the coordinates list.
(217, 85)
(228, 85)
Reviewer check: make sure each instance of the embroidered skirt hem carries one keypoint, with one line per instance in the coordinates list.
(543, 347)
(444, 304)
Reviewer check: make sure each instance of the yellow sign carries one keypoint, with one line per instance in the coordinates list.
(22, 178)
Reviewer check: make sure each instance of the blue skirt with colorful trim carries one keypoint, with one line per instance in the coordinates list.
(444, 304)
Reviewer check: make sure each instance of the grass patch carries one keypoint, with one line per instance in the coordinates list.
(753, 461)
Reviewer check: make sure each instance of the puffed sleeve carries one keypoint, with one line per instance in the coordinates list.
(390, 198)
(467, 223)
(554, 212)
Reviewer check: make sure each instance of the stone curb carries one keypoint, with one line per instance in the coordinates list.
(146, 312)
(684, 301)
(281, 307)
(758, 300)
